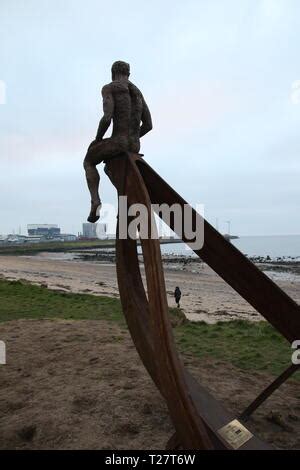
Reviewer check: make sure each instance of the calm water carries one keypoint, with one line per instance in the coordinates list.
(274, 246)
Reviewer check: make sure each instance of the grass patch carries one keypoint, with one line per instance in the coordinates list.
(250, 346)
(33, 248)
(19, 299)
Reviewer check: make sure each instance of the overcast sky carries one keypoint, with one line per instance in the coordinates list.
(221, 80)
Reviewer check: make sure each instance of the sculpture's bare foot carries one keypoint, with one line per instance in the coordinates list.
(95, 212)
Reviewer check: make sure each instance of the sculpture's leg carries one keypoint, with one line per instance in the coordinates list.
(93, 180)
(92, 159)
(96, 153)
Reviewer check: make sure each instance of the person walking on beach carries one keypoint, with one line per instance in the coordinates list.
(177, 295)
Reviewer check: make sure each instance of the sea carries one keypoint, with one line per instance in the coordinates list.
(274, 246)
(285, 247)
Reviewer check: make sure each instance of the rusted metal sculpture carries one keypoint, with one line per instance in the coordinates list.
(124, 104)
(241, 274)
(198, 418)
(200, 421)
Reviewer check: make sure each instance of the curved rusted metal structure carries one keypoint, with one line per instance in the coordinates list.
(196, 415)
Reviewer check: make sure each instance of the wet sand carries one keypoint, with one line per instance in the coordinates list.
(205, 296)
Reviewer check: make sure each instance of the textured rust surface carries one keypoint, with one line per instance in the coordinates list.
(235, 268)
(196, 415)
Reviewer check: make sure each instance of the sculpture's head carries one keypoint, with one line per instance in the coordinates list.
(120, 69)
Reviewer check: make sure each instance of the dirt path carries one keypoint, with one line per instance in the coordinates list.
(80, 384)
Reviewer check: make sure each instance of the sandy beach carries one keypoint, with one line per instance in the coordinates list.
(205, 296)
(80, 384)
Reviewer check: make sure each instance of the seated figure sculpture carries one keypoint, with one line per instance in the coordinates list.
(124, 104)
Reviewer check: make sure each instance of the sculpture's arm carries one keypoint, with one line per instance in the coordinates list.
(108, 110)
(146, 120)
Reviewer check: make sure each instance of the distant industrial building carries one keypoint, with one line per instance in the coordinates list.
(68, 237)
(43, 230)
(14, 239)
(38, 233)
(94, 230)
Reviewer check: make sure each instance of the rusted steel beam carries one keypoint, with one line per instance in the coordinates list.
(196, 415)
(227, 261)
(155, 332)
(268, 391)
